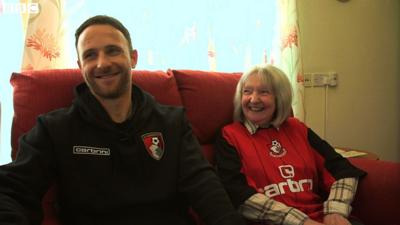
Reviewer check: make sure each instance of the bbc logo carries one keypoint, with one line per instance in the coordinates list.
(19, 8)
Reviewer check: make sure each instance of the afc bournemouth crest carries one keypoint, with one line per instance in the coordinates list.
(154, 143)
(276, 149)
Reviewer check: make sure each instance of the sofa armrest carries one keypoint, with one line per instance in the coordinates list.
(377, 198)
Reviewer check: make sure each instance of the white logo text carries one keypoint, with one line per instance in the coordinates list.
(287, 172)
(90, 150)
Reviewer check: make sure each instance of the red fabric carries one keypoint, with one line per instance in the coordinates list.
(37, 92)
(49, 209)
(378, 194)
(298, 184)
(159, 84)
(208, 99)
(208, 152)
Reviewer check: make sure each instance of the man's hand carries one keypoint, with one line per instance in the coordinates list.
(335, 219)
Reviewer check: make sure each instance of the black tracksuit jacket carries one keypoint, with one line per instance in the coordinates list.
(105, 175)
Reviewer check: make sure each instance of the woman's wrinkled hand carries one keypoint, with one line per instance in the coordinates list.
(335, 219)
(311, 222)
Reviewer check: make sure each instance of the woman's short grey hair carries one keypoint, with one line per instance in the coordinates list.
(281, 89)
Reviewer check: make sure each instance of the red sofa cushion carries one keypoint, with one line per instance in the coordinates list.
(377, 198)
(37, 92)
(208, 99)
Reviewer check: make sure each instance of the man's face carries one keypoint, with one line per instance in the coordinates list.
(105, 61)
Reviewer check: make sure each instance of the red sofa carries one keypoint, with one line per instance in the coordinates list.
(207, 97)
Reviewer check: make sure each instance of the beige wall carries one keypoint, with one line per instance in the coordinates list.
(359, 40)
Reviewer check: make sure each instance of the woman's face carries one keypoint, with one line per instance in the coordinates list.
(258, 101)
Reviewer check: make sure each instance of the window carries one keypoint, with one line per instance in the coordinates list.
(221, 35)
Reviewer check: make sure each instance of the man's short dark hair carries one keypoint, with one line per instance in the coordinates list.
(105, 20)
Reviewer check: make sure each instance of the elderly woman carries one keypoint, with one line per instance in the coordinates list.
(276, 169)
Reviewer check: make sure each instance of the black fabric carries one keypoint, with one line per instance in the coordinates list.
(128, 186)
(227, 164)
(336, 164)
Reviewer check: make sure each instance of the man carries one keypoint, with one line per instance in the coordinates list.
(116, 155)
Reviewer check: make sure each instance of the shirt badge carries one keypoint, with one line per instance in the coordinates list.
(276, 149)
(154, 143)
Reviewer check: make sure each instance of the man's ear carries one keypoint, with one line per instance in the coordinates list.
(80, 68)
(134, 58)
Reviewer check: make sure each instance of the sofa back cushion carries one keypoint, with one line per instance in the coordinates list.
(38, 92)
(208, 99)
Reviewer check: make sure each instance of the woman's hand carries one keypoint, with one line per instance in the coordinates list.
(311, 222)
(335, 219)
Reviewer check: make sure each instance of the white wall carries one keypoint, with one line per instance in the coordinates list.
(359, 40)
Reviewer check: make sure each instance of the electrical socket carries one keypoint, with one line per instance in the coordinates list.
(308, 80)
(332, 79)
(320, 79)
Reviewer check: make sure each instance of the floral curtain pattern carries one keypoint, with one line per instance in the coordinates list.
(290, 58)
(44, 39)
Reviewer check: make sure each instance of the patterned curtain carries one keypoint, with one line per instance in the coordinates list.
(44, 35)
(290, 57)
